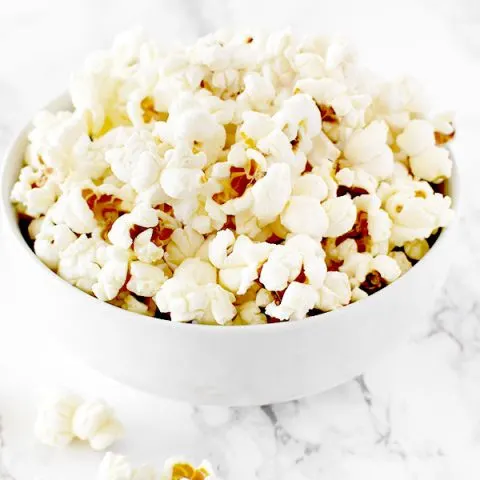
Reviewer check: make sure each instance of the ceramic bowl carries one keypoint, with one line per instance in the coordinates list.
(201, 364)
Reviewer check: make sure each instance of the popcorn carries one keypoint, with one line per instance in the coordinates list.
(402, 261)
(183, 175)
(416, 249)
(238, 260)
(64, 416)
(117, 467)
(427, 161)
(305, 215)
(141, 215)
(72, 210)
(184, 243)
(179, 468)
(137, 162)
(398, 101)
(249, 313)
(310, 185)
(416, 212)
(386, 267)
(367, 149)
(112, 275)
(276, 148)
(335, 292)
(96, 423)
(259, 91)
(360, 266)
(433, 164)
(285, 263)
(357, 182)
(53, 425)
(34, 191)
(242, 180)
(299, 116)
(131, 304)
(78, 263)
(331, 96)
(145, 250)
(114, 467)
(297, 300)
(416, 137)
(263, 298)
(193, 126)
(145, 279)
(270, 194)
(282, 267)
(50, 241)
(342, 213)
(193, 294)
(60, 145)
(323, 149)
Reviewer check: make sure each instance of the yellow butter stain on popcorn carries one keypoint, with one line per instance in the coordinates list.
(181, 471)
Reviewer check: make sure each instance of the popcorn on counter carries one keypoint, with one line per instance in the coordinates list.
(62, 417)
(117, 467)
(245, 179)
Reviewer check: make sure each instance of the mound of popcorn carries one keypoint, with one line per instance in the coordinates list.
(246, 179)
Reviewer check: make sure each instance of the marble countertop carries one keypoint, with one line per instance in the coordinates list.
(416, 416)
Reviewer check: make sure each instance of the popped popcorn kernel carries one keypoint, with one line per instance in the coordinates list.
(64, 416)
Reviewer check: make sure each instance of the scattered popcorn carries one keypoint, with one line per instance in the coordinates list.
(53, 426)
(176, 468)
(117, 467)
(64, 416)
(96, 423)
(114, 467)
(245, 179)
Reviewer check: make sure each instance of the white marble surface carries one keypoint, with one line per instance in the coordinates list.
(415, 416)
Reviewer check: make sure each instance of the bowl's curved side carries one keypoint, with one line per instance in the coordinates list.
(232, 366)
(214, 365)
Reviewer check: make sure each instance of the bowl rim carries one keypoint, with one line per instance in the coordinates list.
(8, 212)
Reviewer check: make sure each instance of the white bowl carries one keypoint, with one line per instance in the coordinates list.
(244, 365)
